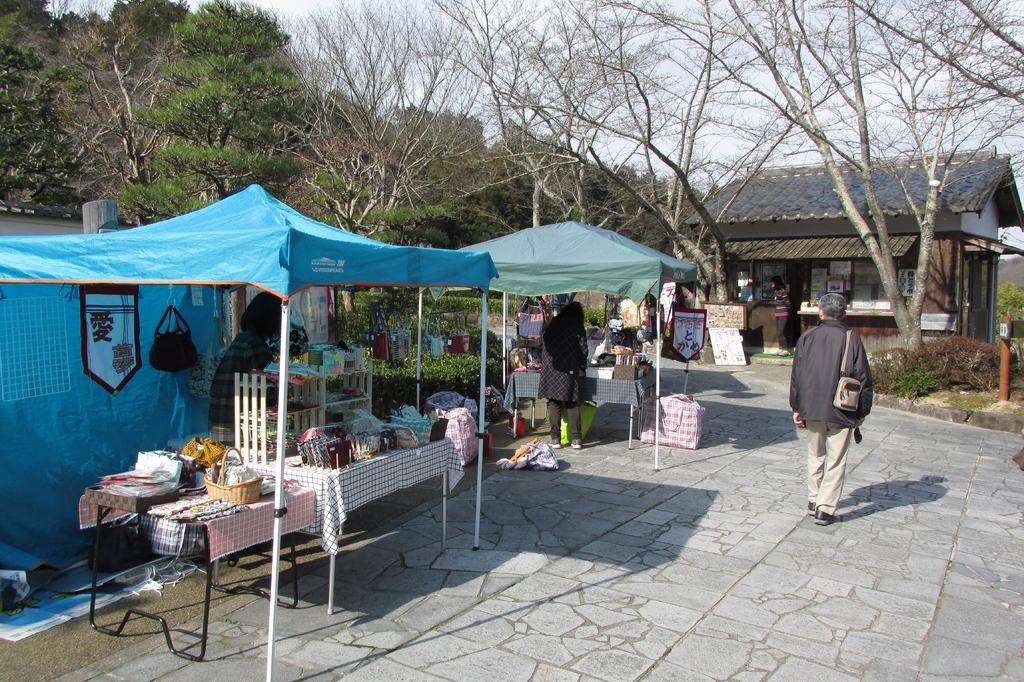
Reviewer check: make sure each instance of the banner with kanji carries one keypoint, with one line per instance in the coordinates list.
(687, 330)
(110, 334)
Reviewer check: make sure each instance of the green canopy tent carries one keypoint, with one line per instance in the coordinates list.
(563, 257)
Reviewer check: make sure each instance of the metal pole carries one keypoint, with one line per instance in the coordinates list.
(480, 418)
(1005, 332)
(279, 510)
(419, 345)
(686, 377)
(504, 338)
(657, 386)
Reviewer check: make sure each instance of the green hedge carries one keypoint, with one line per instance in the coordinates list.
(395, 385)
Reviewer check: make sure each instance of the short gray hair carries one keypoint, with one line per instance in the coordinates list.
(833, 305)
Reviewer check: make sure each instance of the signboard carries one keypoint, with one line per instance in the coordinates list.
(721, 316)
(110, 334)
(727, 346)
(906, 280)
(938, 322)
(688, 332)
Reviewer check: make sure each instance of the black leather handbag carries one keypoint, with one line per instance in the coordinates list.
(172, 349)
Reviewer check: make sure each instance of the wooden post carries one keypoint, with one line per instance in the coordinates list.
(1004, 356)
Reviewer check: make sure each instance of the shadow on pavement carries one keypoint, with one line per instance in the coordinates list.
(879, 497)
(538, 528)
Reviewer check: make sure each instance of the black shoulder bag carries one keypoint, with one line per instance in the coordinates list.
(172, 349)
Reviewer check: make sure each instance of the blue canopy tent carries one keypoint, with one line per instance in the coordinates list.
(248, 238)
(564, 257)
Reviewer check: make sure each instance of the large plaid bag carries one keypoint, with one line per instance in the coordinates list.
(679, 423)
(461, 431)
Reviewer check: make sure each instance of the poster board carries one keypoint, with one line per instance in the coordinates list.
(687, 332)
(727, 345)
(723, 316)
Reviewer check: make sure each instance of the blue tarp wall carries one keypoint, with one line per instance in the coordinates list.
(55, 445)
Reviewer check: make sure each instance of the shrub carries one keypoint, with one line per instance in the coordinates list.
(395, 385)
(957, 361)
(887, 366)
(915, 383)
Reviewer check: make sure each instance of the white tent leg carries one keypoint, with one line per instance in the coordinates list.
(480, 418)
(504, 338)
(279, 510)
(419, 347)
(657, 385)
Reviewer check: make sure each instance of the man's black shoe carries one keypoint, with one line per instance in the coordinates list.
(823, 518)
(811, 508)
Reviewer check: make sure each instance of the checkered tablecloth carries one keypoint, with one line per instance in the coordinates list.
(340, 491)
(621, 391)
(227, 534)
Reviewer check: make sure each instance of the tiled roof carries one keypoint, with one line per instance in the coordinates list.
(806, 192)
(39, 210)
(816, 247)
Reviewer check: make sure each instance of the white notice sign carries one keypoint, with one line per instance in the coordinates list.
(727, 345)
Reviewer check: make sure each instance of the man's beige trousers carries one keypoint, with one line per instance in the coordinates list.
(826, 463)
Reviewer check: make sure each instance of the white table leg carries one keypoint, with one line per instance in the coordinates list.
(330, 586)
(444, 510)
(533, 414)
(629, 441)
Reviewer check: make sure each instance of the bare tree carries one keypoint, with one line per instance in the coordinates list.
(496, 51)
(982, 40)
(389, 112)
(863, 96)
(119, 62)
(632, 91)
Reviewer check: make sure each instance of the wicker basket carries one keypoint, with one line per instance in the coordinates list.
(242, 493)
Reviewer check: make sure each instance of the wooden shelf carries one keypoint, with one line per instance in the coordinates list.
(252, 419)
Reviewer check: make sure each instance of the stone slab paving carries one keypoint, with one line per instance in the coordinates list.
(709, 569)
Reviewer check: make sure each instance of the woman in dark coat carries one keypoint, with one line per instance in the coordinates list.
(564, 363)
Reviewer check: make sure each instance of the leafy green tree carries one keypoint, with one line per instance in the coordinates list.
(226, 114)
(35, 156)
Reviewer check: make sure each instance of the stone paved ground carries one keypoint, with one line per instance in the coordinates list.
(707, 569)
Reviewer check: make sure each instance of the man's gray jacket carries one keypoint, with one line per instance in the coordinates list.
(816, 374)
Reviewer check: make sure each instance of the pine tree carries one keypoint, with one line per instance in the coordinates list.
(35, 160)
(232, 96)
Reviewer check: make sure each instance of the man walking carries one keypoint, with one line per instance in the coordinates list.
(812, 387)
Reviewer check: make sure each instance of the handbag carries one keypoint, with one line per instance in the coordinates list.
(1018, 459)
(432, 338)
(848, 389)
(172, 349)
(530, 323)
(200, 380)
(400, 340)
(459, 341)
(122, 545)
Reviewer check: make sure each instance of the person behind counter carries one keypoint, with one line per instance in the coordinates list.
(782, 306)
(564, 362)
(260, 323)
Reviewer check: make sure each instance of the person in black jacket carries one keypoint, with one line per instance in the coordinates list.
(812, 388)
(564, 363)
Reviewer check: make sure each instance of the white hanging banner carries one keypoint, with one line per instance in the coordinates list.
(110, 334)
(688, 331)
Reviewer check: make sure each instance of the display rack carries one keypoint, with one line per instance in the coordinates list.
(255, 425)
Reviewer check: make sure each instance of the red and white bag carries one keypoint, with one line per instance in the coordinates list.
(679, 424)
(461, 431)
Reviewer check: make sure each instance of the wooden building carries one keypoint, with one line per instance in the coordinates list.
(789, 222)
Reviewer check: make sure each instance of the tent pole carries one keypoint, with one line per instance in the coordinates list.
(657, 384)
(480, 417)
(504, 338)
(279, 509)
(419, 346)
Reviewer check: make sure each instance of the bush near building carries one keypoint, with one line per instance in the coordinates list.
(952, 362)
